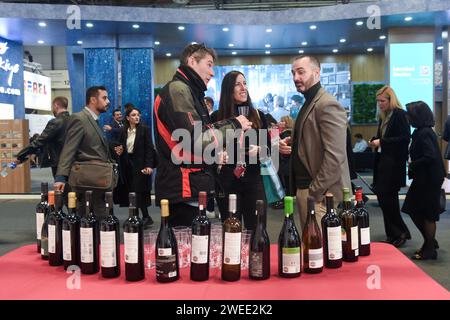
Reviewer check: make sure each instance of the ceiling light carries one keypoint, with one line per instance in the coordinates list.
(444, 34)
(79, 42)
(335, 50)
(369, 49)
(89, 24)
(343, 40)
(157, 43)
(267, 45)
(42, 24)
(301, 51)
(193, 42)
(267, 52)
(40, 41)
(168, 54)
(304, 43)
(359, 23)
(234, 53)
(135, 26)
(268, 30)
(382, 37)
(181, 28)
(231, 44)
(225, 29)
(408, 18)
(440, 48)
(313, 27)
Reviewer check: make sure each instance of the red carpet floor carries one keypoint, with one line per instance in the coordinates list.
(23, 275)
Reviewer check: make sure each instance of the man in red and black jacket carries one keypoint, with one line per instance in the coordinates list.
(179, 108)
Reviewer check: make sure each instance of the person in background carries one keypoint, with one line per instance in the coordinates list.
(446, 138)
(318, 153)
(241, 177)
(51, 141)
(360, 145)
(136, 162)
(389, 172)
(296, 104)
(426, 169)
(279, 109)
(266, 104)
(180, 105)
(209, 104)
(115, 127)
(84, 143)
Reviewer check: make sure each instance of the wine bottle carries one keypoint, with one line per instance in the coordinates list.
(89, 238)
(71, 234)
(349, 234)
(201, 232)
(259, 262)
(41, 213)
(289, 244)
(331, 232)
(362, 215)
(55, 254)
(312, 241)
(133, 237)
(232, 233)
(110, 241)
(167, 264)
(44, 231)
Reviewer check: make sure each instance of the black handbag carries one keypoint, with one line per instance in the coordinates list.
(442, 201)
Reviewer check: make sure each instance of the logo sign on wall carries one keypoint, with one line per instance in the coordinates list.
(8, 71)
(37, 91)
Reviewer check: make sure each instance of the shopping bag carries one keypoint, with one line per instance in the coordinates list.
(272, 185)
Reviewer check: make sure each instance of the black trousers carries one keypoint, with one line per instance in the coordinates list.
(394, 225)
(98, 201)
(248, 189)
(181, 214)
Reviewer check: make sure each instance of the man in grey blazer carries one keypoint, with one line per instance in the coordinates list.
(319, 157)
(85, 142)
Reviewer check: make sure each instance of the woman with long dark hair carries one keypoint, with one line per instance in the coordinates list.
(136, 162)
(389, 173)
(242, 174)
(426, 169)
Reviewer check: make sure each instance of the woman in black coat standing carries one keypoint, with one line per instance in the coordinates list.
(427, 172)
(136, 162)
(389, 174)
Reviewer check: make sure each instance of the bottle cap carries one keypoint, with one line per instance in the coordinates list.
(232, 203)
(51, 197)
(132, 199)
(311, 204)
(164, 208)
(260, 207)
(346, 192)
(288, 205)
(202, 199)
(72, 199)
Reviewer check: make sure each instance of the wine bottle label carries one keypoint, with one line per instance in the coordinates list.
(343, 234)
(199, 249)
(365, 236)
(166, 266)
(354, 235)
(87, 245)
(232, 248)
(291, 260)
(256, 264)
(42, 251)
(334, 243)
(315, 258)
(165, 252)
(39, 223)
(51, 238)
(131, 243)
(44, 246)
(108, 249)
(67, 249)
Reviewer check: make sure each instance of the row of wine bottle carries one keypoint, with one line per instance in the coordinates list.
(71, 240)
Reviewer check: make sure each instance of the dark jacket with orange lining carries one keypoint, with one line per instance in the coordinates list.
(182, 174)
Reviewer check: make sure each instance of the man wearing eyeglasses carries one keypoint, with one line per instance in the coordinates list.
(180, 105)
